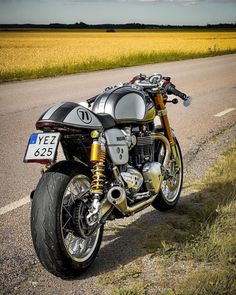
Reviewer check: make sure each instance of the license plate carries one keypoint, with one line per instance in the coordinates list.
(42, 147)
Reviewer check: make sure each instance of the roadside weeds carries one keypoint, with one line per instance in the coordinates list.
(192, 250)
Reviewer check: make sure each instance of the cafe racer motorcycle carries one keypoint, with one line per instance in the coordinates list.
(117, 162)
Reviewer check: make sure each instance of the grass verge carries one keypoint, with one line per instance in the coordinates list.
(105, 64)
(213, 248)
(191, 250)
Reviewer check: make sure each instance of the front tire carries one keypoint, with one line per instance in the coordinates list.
(59, 240)
(171, 188)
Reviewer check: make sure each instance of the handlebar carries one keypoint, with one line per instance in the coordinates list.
(172, 90)
(157, 82)
(154, 83)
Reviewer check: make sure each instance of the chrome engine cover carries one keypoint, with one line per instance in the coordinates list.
(153, 177)
(133, 178)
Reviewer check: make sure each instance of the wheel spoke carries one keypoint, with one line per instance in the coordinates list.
(67, 211)
(66, 222)
(77, 247)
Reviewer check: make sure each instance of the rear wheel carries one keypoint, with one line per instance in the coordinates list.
(172, 184)
(65, 241)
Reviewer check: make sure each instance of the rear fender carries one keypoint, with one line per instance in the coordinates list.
(68, 166)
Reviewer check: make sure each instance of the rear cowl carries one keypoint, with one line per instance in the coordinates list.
(69, 114)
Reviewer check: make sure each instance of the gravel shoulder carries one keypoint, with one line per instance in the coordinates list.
(206, 152)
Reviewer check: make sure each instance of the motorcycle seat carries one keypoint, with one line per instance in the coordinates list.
(106, 120)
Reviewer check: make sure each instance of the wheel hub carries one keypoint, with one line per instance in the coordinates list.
(83, 227)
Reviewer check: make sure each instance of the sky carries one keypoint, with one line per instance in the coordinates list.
(173, 12)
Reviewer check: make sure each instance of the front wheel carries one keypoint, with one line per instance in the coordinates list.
(172, 184)
(65, 242)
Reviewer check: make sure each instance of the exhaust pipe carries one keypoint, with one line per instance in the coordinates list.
(159, 136)
(117, 195)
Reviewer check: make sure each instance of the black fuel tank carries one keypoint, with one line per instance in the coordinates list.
(126, 105)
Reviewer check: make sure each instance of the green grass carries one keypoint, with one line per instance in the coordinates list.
(104, 64)
(211, 220)
(192, 250)
(215, 251)
(132, 290)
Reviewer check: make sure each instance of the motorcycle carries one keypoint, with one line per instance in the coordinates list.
(116, 163)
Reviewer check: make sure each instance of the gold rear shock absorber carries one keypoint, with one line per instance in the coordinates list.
(98, 158)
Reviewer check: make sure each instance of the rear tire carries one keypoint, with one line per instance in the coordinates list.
(165, 201)
(48, 233)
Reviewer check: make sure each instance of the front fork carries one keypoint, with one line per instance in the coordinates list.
(162, 113)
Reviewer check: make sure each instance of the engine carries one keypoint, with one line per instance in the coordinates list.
(141, 168)
(141, 147)
(140, 179)
(143, 151)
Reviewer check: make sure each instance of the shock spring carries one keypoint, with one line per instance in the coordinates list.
(99, 176)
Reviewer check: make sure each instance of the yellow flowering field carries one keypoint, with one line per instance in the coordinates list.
(48, 53)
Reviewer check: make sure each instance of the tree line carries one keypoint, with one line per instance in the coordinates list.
(113, 27)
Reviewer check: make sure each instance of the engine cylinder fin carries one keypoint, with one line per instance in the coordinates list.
(144, 140)
(143, 150)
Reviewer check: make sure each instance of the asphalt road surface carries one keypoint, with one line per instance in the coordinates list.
(210, 81)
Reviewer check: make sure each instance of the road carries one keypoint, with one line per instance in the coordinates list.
(210, 81)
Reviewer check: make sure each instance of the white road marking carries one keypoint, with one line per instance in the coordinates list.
(224, 112)
(14, 205)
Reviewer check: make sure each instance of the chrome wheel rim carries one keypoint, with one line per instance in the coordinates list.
(170, 187)
(79, 249)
